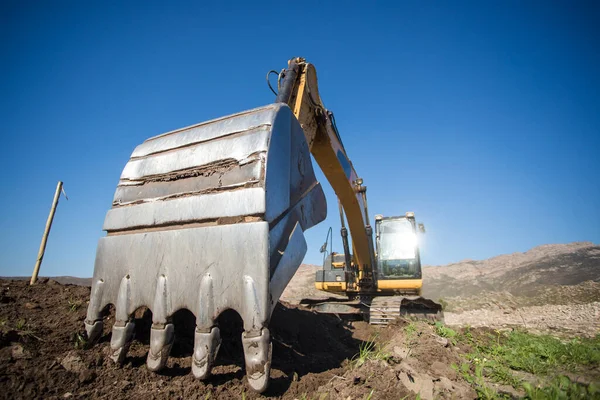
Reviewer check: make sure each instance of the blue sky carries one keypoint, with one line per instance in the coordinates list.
(482, 117)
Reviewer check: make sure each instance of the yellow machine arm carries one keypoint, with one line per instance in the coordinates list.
(299, 90)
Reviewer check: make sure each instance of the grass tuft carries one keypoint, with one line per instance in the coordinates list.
(445, 332)
(370, 351)
(74, 305)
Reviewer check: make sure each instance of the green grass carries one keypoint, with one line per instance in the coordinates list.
(497, 357)
(445, 332)
(561, 387)
(536, 354)
(370, 350)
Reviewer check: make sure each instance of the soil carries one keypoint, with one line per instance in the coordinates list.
(558, 320)
(43, 355)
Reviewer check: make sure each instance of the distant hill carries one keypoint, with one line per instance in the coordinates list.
(521, 274)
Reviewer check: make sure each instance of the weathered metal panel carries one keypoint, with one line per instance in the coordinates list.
(208, 130)
(217, 179)
(186, 209)
(236, 147)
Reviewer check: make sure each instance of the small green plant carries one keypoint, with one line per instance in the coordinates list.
(79, 341)
(21, 324)
(370, 350)
(411, 333)
(410, 329)
(476, 378)
(445, 332)
(368, 397)
(74, 305)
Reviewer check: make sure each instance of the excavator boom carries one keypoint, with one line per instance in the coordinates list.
(299, 89)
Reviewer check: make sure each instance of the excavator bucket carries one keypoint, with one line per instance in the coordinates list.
(207, 218)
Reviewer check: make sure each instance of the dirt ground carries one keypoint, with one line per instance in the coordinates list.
(42, 355)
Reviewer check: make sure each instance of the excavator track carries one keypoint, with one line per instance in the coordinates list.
(384, 310)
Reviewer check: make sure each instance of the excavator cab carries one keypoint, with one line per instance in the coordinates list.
(397, 248)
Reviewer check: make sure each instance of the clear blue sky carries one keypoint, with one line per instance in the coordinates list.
(482, 117)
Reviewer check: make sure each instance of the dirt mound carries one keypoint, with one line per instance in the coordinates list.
(43, 354)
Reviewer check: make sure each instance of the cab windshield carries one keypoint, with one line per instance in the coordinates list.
(397, 249)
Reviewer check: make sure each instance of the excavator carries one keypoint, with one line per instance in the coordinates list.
(212, 217)
(396, 289)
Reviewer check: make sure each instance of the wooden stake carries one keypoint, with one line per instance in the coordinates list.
(40, 256)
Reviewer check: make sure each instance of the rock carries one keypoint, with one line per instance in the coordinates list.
(444, 385)
(32, 306)
(67, 395)
(441, 340)
(18, 352)
(421, 384)
(72, 362)
(87, 376)
(441, 369)
(456, 389)
(510, 392)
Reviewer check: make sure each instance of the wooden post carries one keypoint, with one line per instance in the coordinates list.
(40, 256)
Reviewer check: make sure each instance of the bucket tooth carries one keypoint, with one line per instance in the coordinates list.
(93, 321)
(122, 334)
(254, 313)
(206, 304)
(162, 333)
(206, 347)
(93, 330)
(161, 341)
(257, 354)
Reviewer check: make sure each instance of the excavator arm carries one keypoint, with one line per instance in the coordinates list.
(299, 90)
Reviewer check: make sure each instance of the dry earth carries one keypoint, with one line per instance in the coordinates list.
(552, 288)
(42, 355)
